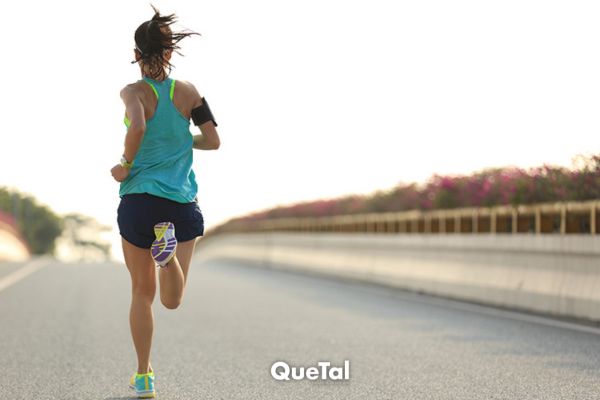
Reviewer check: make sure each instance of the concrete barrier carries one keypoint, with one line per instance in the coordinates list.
(554, 274)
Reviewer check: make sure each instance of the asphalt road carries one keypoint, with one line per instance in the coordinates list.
(64, 334)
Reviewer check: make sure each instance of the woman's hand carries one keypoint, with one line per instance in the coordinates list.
(119, 172)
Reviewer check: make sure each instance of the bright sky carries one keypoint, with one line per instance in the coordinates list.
(314, 99)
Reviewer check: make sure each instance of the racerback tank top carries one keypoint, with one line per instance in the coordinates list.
(163, 164)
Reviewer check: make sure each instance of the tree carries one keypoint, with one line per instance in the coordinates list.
(38, 223)
(82, 239)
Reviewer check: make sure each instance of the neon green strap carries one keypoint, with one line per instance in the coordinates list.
(172, 89)
(126, 121)
(153, 88)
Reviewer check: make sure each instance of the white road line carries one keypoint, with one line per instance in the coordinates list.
(482, 309)
(517, 316)
(23, 272)
(463, 305)
(490, 310)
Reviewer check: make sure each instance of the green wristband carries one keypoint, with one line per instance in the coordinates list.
(125, 163)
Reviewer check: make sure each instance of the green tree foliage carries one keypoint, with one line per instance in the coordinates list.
(38, 223)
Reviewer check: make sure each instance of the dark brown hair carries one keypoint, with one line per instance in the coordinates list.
(154, 38)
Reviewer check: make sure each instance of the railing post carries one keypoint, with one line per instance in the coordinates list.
(593, 218)
(410, 221)
(427, 224)
(403, 227)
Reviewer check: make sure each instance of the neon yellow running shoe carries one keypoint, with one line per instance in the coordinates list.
(143, 384)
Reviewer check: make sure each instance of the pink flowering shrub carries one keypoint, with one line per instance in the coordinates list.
(489, 187)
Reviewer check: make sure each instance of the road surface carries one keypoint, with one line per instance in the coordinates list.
(64, 334)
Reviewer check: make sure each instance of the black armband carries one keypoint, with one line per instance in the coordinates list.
(202, 114)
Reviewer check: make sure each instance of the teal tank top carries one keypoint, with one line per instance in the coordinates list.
(163, 164)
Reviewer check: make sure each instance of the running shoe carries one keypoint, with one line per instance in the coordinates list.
(163, 248)
(132, 380)
(143, 384)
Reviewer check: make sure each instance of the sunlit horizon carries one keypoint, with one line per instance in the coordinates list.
(314, 100)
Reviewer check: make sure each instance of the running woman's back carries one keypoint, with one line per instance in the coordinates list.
(163, 164)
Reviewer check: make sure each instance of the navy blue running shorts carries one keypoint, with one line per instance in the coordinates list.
(139, 212)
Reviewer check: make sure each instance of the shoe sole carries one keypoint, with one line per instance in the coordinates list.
(148, 395)
(163, 248)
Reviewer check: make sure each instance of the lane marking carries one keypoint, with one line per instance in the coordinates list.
(488, 310)
(23, 272)
(517, 316)
(445, 302)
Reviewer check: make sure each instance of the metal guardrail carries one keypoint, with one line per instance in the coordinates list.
(558, 218)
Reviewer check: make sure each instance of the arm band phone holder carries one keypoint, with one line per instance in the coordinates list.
(202, 114)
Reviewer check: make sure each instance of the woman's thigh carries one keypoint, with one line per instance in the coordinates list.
(185, 250)
(141, 268)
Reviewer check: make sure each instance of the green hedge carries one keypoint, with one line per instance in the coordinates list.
(38, 223)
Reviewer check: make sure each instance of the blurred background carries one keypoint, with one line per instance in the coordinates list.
(315, 101)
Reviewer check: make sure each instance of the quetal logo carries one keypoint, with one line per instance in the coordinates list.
(282, 371)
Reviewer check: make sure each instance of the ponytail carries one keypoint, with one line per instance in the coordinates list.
(155, 38)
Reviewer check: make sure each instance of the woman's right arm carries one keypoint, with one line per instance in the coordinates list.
(208, 139)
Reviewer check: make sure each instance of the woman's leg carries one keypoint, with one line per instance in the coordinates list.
(174, 276)
(143, 288)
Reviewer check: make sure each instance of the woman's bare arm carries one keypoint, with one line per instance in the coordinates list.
(208, 139)
(134, 110)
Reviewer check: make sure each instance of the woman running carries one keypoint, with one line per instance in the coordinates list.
(159, 217)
